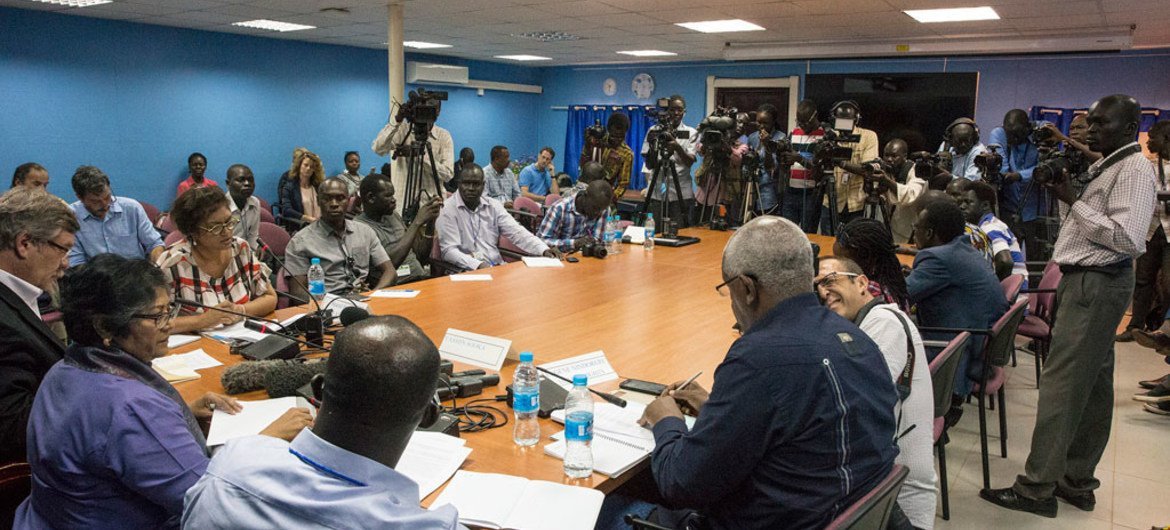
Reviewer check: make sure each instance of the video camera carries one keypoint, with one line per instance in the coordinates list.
(422, 106)
(596, 131)
(1055, 166)
(989, 163)
(717, 131)
(874, 185)
(661, 110)
(928, 165)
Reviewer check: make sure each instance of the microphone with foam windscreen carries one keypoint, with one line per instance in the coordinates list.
(284, 380)
(352, 315)
(281, 378)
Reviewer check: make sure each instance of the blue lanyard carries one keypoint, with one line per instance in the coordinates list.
(326, 470)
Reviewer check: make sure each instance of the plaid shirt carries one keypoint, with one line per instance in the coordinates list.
(500, 185)
(1108, 223)
(245, 278)
(562, 224)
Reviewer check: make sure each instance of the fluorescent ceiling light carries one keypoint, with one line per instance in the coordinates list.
(958, 14)
(272, 25)
(75, 3)
(648, 53)
(523, 57)
(420, 45)
(721, 26)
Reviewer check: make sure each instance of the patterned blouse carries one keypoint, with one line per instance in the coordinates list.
(244, 279)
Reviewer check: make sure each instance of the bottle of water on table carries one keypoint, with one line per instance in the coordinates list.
(648, 244)
(526, 402)
(316, 279)
(579, 429)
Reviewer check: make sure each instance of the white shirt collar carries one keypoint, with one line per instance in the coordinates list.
(26, 291)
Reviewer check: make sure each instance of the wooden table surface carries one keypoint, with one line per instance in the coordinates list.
(656, 315)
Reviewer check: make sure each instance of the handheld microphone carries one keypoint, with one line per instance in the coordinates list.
(603, 395)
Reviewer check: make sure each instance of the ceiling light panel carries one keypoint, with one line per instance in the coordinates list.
(648, 53)
(721, 26)
(958, 14)
(420, 45)
(272, 25)
(75, 3)
(523, 57)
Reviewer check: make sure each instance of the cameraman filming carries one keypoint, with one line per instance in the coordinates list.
(850, 173)
(611, 151)
(680, 139)
(764, 143)
(904, 188)
(962, 140)
(1020, 156)
(801, 200)
(401, 132)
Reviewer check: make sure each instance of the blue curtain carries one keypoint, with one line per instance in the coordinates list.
(582, 116)
(1063, 117)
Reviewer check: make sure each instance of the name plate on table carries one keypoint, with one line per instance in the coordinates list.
(474, 349)
(594, 365)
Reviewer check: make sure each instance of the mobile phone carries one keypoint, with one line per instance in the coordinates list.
(645, 387)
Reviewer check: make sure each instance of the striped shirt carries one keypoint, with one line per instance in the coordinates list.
(1108, 223)
(244, 279)
(1003, 239)
(980, 241)
(802, 143)
(563, 223)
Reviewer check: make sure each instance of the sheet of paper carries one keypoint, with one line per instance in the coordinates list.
(175, 372)
(195, 359)
(612, 455)
(551, 505)
(593, 364)
(622, 422)
(431, 458)
(483, 499)
(174, 341)
(474, 349)
(471, 277)
(234, 331)
(636, 234)
(395, 293)
(255, 416)
(542, 263)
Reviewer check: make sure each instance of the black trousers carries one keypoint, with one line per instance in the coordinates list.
(1156, 258)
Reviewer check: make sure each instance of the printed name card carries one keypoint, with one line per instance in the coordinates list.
(594, 365)
(474, 349)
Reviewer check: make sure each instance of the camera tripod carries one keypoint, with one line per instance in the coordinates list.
(877, 207)
(717, 173)
(829, 181)
(414, 152)
(665, 163)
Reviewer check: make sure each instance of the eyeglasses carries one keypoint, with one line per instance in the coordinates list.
(160, 319)
(724, 289)
(220, 229)
(60, 248)
(832, 277)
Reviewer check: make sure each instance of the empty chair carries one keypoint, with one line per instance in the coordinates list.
(152, 211)
(1037, 324)
(266, 216)
(942, 376)
(275, 237)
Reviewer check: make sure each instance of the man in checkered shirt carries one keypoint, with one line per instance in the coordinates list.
(1104, 230)
(578, 220)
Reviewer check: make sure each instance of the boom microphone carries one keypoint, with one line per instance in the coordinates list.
(284, 379)
(259, 375)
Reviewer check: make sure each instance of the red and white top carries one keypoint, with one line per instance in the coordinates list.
(244, 279)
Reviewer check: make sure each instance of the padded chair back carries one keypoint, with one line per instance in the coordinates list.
(264, 205)
(172, 238)
(266, 216)
(872, 511)
(509, 251)
(526, 205)
(624, 224)
(942, 372)
(15, 485)
(1042, 303)
(1011, 286)
(282, 285)
(1003, 335)
(167, 225)
(152, 211)
(276, 237)
(551, 199)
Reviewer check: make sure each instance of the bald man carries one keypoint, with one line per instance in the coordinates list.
(577, 221)
(1104, 230)
(378, 388)
(905, 188)
(776, 462)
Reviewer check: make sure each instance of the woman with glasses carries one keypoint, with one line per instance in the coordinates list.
(212, 266)
(111, 443)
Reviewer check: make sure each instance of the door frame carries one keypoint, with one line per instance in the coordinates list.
(792, 83)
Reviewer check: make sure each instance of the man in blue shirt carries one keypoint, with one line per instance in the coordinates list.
(536, 180)
(1020, 156)
(379, 386)
(115, 225)
(962, 141)
(800, 421)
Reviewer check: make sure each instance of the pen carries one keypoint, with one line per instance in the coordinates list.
(689, 381)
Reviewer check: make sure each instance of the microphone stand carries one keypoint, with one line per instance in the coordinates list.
(608, 397)
(247, 320)
(318, 319)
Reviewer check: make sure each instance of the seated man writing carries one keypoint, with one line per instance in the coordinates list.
(800, 421)
(572, 223)
(471, 224)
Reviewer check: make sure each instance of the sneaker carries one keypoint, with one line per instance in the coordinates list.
(1151, 383)
(1124, 336)
(1161, 409)
(1157, 394)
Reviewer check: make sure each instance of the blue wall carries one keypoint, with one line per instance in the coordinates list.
(1005, 82)
(136, 99)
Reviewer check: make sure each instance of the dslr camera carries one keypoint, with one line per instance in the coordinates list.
(594, 249)
(989, 163)
(422, 106)
(874, 185)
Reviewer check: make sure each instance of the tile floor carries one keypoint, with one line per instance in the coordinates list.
(1134, 471)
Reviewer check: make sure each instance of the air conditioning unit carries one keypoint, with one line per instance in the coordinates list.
(417, 73)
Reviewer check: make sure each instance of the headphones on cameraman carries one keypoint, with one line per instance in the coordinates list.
(956, 123)
(846, 103)
(430, 414)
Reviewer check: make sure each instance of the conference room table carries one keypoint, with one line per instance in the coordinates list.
(656, 315)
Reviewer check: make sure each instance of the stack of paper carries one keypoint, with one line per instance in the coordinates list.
(503, 501)
(542, 263)
(174, 341)
(255, 417)
(431, 458)
(183, 366)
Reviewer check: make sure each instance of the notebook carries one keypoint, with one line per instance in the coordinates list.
(431, 458)
(500, 502)
(612, 454)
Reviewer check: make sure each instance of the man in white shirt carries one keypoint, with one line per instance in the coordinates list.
(399, 131)
(844, 289)
(905, 188)
(682, 154)
(471, 224)
(240, 185)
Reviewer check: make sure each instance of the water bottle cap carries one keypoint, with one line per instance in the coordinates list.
(315, 261)
(580, 380)
(649, 216)
(525, 356)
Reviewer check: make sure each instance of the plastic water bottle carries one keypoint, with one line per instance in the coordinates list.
(608, 234)
(648, 244)
(579, 429)
(316, 279)
(617, 236)
(526, 402)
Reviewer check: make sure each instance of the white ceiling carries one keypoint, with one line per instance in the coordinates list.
(481, 29)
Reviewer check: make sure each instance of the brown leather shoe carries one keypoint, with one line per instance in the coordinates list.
(1156, 340)
(1008, 498)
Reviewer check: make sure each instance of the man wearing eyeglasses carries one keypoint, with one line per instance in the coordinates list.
(800, 420)
(36, 232)
(843, 289)
(109, 224)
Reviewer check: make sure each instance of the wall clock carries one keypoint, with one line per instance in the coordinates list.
(643, 86)
(609, 87)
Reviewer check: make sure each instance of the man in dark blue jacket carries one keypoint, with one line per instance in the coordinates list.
(954, 287)
(799, 423)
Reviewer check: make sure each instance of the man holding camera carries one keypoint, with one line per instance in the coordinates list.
(1020, 156)
(962, 141)
(577, 222)
(849, 174)
(765, 143)
(612, 152)
(1103, 232)
(904, 188)
(401, 131)
(801, 200)
(679, 139)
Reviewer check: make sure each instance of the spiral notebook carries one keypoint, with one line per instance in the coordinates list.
(613, 454)
(498, 501)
